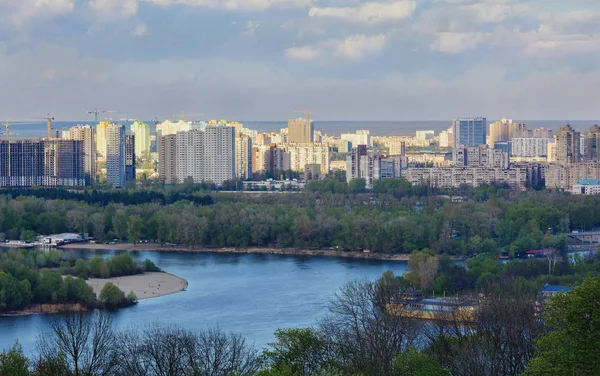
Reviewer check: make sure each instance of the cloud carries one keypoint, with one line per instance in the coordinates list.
(368, 13)
(235, 5)
(453, 43)
(357, 46)
(22, 11)
(302, 53)
(141, 30)
(114, 8)
(251, 27)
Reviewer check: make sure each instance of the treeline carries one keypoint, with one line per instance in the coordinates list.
(33, 277)
(491, 220)
(357, 336)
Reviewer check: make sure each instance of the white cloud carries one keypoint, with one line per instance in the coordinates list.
(544, 43)
(250, 5)
(369, 13)
(141, 30)
(454, 43)
(114, 8)
(357, 46)
(251, 27)
(22, 11)
(302, 53)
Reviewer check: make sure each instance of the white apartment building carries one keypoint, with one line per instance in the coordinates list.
(479, 156)
(243, 156)
(361, 137)
(529, 147)
(141, 131)
(115, 155)
(168, 127)
(309, 153)
(425, 135)
(587, 187)
(454, 177)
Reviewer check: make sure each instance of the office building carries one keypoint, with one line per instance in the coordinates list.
(425, 135)
(167, 158)
(567, 145)
(479, 156)
(591, 151)
(303, 154)
(87, 136)
(46, 163)
(300, 130)
(130, 153)
(141, 131)
(116, 155)
(505, 146)
(469, 131)
(529, 147)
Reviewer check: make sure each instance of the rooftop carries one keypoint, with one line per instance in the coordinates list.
(551, 288)
(589, 182)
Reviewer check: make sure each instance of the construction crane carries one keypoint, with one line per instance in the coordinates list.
(97, 112)
(184, 115)
(306, 113)
(7, 124)
(48, 119)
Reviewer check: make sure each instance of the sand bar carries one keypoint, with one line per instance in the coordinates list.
(144, 286)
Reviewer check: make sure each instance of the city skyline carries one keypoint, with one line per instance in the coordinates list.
(381, 60)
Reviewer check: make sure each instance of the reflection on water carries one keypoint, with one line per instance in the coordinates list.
(252, 294)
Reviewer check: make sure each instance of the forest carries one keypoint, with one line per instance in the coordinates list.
(35, 277)
(394, 217)
(355, 337)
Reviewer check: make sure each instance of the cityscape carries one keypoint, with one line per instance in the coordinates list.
(472, 152)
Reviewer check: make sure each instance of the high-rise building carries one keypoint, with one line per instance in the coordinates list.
(592, 145)
(101, 138)
(518, 130)
(168, 127)
(359, 164)
(219, 154)
(425, 135)
(141, 131)
(300, 130)
(116, 155)
(167, 158)
(303, 154)
(243, 156)
(46, 163)
(567, 145)
(499, 131)
(361, 137)
(469, 131)
(542, 132)
(446, 138)
(87, 136)
(480, 156)
(130, 152)
(529, 147)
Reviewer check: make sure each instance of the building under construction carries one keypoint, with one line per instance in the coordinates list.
(45, 163)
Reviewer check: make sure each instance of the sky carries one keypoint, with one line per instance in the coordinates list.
(267, 59)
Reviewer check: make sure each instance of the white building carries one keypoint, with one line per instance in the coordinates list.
(479, 156)
(454, 177)
(115, 155)
(529, 147)
(168, 127)
(86, 134)
(141, 131)
(361, 137)
(359, 164)
(309, 153)
(425, 135)
(587, 187)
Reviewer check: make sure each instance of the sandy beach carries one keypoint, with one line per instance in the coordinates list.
(268, 251)
(144, 286)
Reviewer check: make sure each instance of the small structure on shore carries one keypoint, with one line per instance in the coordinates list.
(60, 239)
(412, 304)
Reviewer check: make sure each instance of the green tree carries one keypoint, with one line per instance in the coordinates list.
(414, 363)
(134, 228)
(112, 296)
(571, 345)
(357, 185)
(298, 352)
(13, 362)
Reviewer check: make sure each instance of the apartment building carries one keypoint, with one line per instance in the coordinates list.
(454, 177)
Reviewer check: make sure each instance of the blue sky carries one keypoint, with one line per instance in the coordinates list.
(264, 59)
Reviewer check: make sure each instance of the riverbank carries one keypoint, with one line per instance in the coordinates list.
(252, 250)
(144, 286)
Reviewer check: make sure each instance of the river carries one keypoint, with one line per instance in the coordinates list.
(245, 293)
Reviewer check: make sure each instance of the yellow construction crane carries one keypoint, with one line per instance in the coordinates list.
(48, 119)
(7, 124)
(97, 112)
(184, 115)
(307, 113)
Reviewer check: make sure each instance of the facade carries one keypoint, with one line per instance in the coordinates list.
(591, 150)
(480, 156)
(46, 163)
(130, 153)
(301, 130)
(469, 131)
(116, 155)
(587, 187)
(303, 154)
(564, 177)
(141, 131)
(542, 132)
(243, 156)
(499, 131)
(454, 177)
(567, 145)
(87, 136)
(446, 138)
(168, 127)
(101, 138)
(167, 158)
(359, 164)
(529, 147)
